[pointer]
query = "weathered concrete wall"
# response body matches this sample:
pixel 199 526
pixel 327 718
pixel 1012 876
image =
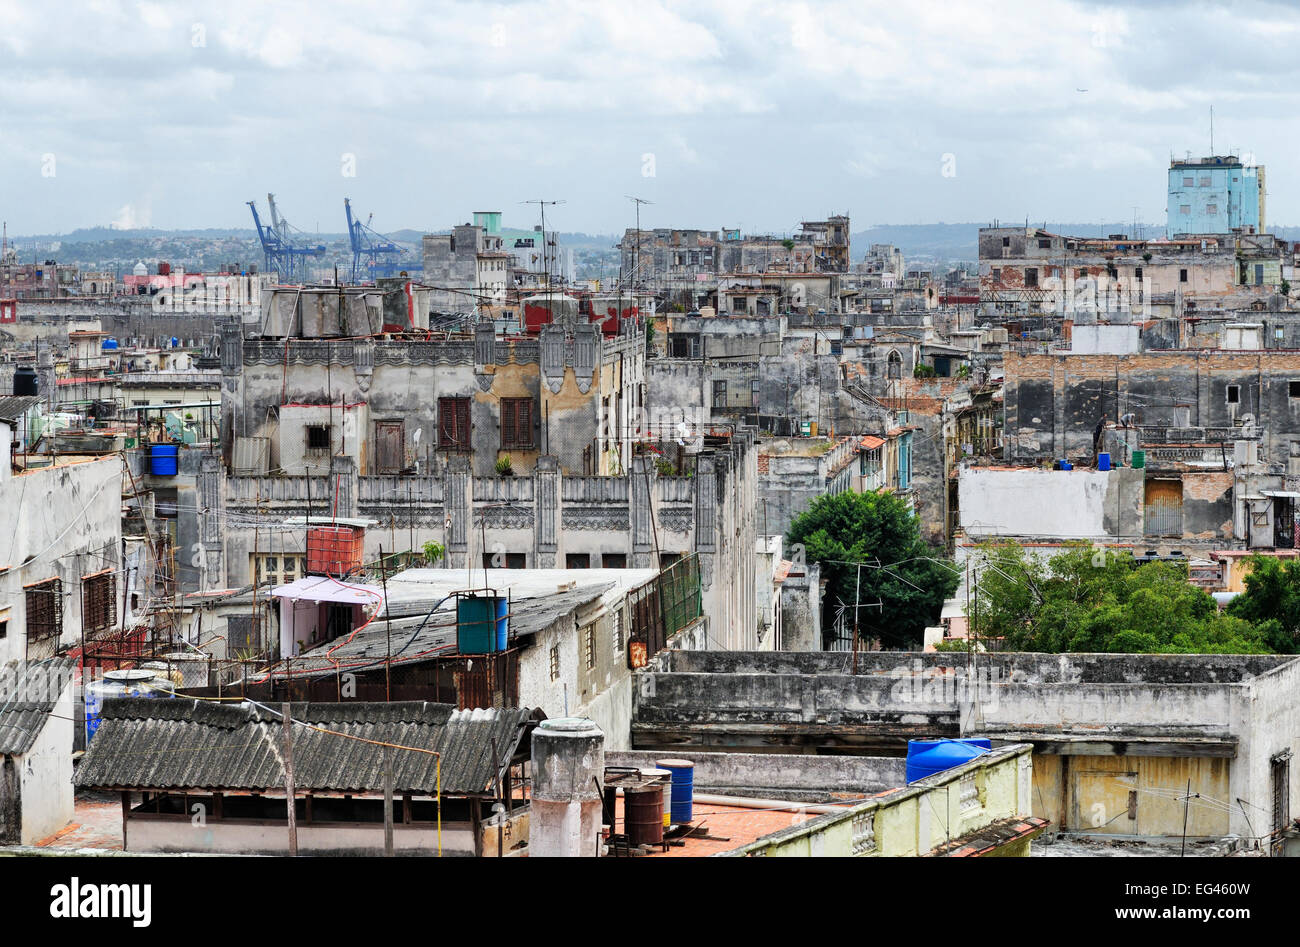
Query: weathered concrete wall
pixel 1273 705
pixel 801 611
pixel 1053 402
pixel 1114 733
pixel 1021 667
pixel 779 775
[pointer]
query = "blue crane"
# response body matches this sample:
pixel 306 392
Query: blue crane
pixel 382 256
pixel 285 256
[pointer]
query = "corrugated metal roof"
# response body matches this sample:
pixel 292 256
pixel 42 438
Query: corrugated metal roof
pixel 194 744
pixel 41 684
pixel 412 640
pixel 14 407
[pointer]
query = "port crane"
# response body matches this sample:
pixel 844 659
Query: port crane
pixel 286 254
pixel 382 256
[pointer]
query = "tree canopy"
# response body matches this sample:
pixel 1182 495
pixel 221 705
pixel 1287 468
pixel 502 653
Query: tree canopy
pixel 1272 601
pixel 899 571
pixel 1092 600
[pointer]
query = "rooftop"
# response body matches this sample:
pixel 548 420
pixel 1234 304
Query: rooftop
pixel 193 744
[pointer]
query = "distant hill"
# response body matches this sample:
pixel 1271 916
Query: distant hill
pixel 197 249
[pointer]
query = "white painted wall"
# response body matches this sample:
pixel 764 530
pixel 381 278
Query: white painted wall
pixel 1105 340
pixel 63 521
pixel 45 772
pixel 1069 504
pixel 180 835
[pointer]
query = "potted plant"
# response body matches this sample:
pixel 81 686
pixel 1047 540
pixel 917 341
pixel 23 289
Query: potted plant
pixel 504 466
pixel 433 552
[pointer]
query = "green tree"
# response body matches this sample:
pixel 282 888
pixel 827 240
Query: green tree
pixel 1091 600
pixel 898 572
pixel 1272 600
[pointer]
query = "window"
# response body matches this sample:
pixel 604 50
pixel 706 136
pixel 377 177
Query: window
pixel 755 393
pixel 895 365
pixel 1006 241
pixel 505 560
pixel 1182 276
pixel 1293 389
pixel 1081 273
pixel 1031 276
pixel 1137 272
pixel 318 437
pixel 681 345
pixel 1211 208
pixel 4 629
pixel 577 560
pixel 997 274
pixel 1185 209
pixel 1205 180
pixel 1234 394
pixel 98 601
pixel 589 646
pixel 453 423
pixel 616 631
pixel 719 394
pixel 516 422
pixel 555 662
pixel 1044 244
pixel 277 569
pixel 613 560
pixel 44 602
pixel 1189 181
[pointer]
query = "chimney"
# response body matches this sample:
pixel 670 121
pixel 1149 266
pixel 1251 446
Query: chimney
pixel 567 766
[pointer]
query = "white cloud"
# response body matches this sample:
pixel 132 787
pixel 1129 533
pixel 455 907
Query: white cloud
pixel 834 98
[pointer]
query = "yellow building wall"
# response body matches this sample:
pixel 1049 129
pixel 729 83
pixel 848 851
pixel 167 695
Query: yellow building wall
pixel 1091 794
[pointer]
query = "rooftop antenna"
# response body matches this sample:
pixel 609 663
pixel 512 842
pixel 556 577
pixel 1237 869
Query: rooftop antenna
pixel 546 265
pixel 1211 131
pixel 638 201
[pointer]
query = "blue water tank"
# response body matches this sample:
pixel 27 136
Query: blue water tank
pixel 683 795
pixel 109 345
pixel 482 624
pixel 1103 461
pixel 927 757
pixel 128 683
pixel 1066 465
pixel 164 460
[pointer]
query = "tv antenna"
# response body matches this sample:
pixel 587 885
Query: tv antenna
pixel 546 264
pixel 638 201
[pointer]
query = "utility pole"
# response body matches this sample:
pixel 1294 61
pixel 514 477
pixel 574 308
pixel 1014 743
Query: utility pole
pixel 388 631
pixel 289 790
pixel 388 800
pixel 857 591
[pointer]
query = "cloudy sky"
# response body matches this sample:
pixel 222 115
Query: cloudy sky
pixel 727 113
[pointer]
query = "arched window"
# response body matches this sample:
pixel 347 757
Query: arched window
pixel 895 364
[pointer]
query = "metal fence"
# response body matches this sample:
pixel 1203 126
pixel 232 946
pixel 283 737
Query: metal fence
pixel 662 607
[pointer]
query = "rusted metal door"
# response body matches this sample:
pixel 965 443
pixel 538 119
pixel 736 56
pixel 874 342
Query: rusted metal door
pixel 1164 508
pixel 390 446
